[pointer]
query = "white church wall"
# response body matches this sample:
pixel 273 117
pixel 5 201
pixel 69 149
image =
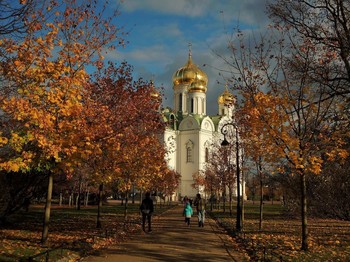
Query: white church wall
pixel 170 140
pixel 188 168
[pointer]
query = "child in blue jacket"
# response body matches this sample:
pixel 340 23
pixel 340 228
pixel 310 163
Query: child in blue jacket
pixel 188 212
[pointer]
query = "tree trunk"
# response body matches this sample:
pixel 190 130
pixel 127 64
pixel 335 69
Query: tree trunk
pixel 79 194
pixel 61 199
pixel 211 194
pixel 70 199
pixel 126 206
pixel 87 198
pixel 47 210
pixel 133 193
pixel 243 194
pixel 304 229
pixel 261 195
pixel 261 204
pixel 224 198
pixel 230 198
pixel 99 207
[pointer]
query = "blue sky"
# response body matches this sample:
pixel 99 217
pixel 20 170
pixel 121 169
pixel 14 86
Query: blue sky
pixel 161 30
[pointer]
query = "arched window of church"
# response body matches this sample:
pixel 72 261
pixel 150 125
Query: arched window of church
pixel 189 155
pixel 192 105
pixel 180 102
pixel 189 151
pixel 206 154
pixel 172 121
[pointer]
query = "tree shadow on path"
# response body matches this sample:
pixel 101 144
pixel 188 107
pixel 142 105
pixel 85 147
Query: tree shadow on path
pixel 172 240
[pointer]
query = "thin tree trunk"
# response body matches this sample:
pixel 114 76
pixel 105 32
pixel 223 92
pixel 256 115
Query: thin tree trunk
pixel 261 194
pixel 47 210
pixel 133 193
pixel 79 194
pixel 87 198
pixel 230 198
pixel 126 206
pixel 272 196
pixel 304 228
pixel 61 199
pixel 211 194
pixel 99 207
pixel 70 199
pixel 243 194
pixel 224 199
pixel 261 204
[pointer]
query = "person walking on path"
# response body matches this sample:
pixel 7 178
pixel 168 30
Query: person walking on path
pixel 147 209
pixel 188 212
pixel 185 201
pixel 172 241
pixel 200 205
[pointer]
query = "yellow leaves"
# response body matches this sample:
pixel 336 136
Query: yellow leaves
pixel 276 128
pixel 333 154
pixel 17 141
pixel 3 140
pixel 40 41
pixel 315 164
pixel 343 154
pixel 17 63
pixel 15 165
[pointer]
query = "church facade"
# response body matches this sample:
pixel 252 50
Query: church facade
pixel 190 132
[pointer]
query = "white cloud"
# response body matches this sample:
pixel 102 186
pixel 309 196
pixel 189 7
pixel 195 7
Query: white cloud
pixel 154 54
pixel 247 11
pixel 159 43
pixel 179 7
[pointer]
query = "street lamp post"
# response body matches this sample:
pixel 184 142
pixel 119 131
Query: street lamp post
pixel 224 131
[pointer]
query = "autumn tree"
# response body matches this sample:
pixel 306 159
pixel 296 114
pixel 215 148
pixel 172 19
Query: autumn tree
pixel 46 72
pixel 218 176
pixel 128 125
pixel 168 182
pixel 325 25
pixel 288 113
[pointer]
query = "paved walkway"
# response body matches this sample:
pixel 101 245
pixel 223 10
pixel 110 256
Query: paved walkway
pixel 172 240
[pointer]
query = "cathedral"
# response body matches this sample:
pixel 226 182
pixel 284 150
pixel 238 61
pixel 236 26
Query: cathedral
pixel 190 132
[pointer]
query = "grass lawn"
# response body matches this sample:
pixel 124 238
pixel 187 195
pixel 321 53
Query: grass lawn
pixel 72 232
pixel 280 237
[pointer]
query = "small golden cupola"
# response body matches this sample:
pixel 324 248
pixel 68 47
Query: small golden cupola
pixel 191 75
pixel 155 94
pixel 226 98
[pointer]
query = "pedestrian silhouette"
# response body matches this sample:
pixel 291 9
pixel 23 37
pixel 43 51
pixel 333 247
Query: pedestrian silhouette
pixel 199 203
pixel 147 209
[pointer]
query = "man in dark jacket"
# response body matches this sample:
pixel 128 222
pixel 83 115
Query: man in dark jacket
pixel 200 205
pixel 147 209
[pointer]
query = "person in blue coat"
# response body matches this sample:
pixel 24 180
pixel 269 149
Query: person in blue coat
pixel 188 212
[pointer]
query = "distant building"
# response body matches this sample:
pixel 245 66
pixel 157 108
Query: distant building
pixel 190 132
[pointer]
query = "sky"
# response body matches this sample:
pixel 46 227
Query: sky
pixel 160 32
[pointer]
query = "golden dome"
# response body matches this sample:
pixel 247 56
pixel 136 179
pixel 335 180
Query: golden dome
pixel 226 98
pixel 198 86
pixel 190 73
pixel 155 94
